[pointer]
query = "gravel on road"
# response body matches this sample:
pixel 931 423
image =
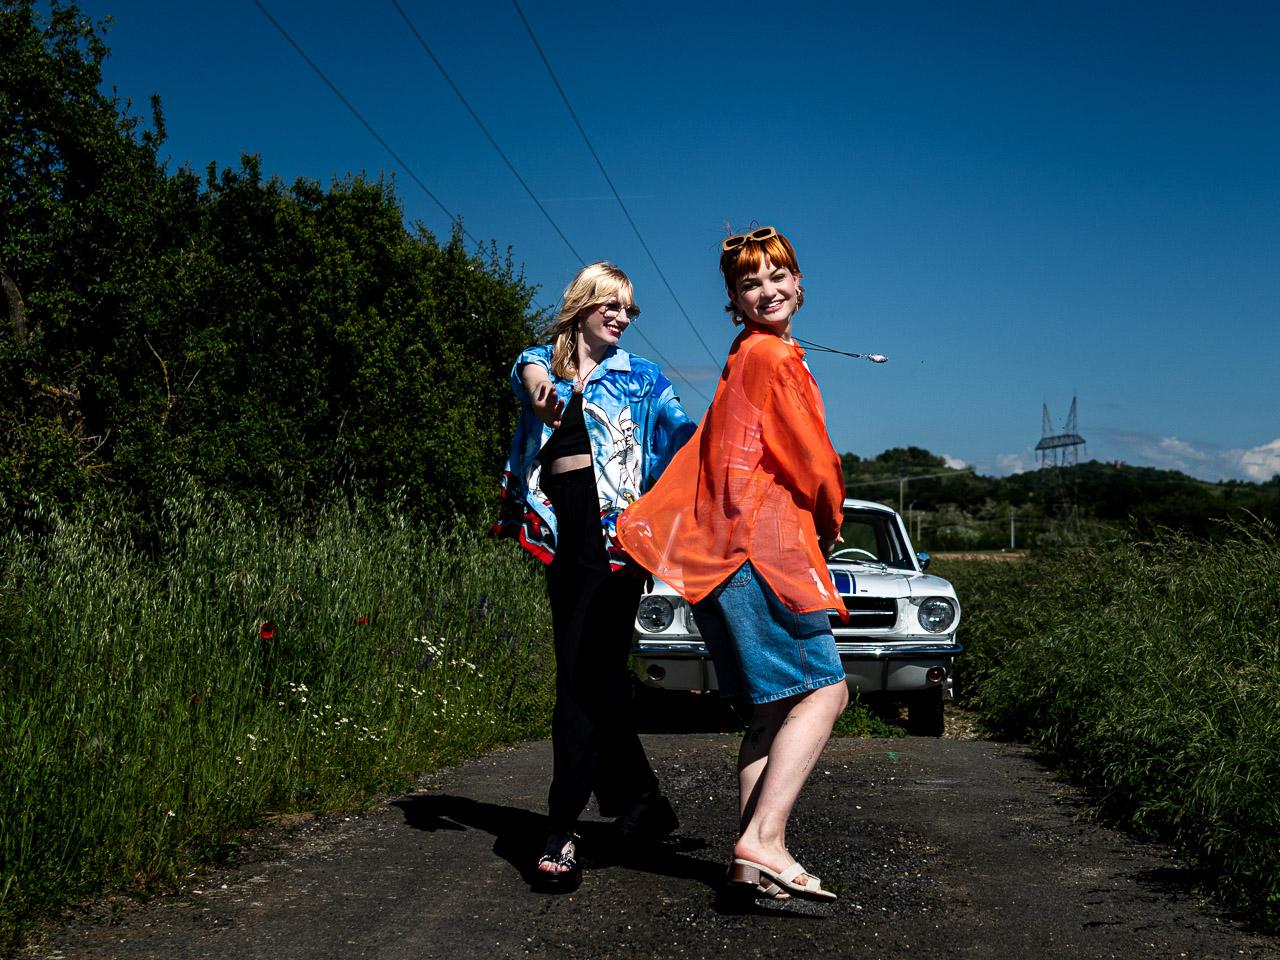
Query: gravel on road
pixel 938 848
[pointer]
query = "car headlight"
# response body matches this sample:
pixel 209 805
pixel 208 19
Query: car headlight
pixel 936 614
pixel 656 614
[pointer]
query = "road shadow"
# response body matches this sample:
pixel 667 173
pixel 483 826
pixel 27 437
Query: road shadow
pixel 518 836
pixel 665 711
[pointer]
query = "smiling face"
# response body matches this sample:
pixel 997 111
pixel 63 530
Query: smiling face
pixel 602 325
pixel 768 296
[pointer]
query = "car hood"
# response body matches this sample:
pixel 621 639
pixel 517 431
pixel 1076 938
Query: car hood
pixel 871 581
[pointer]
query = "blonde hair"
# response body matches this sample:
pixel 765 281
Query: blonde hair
pixel 595 284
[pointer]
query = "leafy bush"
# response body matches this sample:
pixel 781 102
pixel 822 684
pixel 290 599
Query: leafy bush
pixel 1150 670
pixel 276 342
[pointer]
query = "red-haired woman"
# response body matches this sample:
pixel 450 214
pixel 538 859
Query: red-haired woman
pixel 740 525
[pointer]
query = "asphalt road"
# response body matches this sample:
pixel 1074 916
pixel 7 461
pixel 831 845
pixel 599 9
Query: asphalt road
pixel 940 848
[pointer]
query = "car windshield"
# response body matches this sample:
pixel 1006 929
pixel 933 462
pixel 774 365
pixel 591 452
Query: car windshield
pixel 872 534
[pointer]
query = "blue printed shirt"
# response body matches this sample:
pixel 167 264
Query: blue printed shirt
pixel 635 424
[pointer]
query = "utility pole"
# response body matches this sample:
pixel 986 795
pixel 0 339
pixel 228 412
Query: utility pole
pixel 1013 542
pixel 902 482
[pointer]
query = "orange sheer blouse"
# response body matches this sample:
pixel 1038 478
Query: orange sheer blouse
pixel 759 481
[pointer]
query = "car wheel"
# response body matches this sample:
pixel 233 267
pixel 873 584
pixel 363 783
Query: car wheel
pixel 924 713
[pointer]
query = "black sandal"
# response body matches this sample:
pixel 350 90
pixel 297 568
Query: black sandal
pixel 562 854
pixel 649 819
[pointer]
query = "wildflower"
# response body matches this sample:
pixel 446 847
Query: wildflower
pixel 195 698
pixel 426 661
pixel 267 631
pixel 362 621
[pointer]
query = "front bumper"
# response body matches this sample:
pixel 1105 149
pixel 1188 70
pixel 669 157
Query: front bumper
pixel 870 666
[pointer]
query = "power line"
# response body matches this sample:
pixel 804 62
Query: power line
pixel 527 189
pixel 356 113
pixel 605 173
pixel 904 480
pixel 418 180
pixel 485 130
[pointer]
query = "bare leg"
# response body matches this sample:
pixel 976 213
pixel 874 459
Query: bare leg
pixel 753 755
pixel 778 753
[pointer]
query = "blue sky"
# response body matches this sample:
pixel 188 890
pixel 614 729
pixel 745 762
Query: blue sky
pixel 1017 203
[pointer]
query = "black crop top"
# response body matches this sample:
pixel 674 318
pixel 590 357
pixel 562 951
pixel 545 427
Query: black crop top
pixel 570 438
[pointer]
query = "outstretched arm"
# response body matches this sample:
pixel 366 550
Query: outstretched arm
pixel 547 406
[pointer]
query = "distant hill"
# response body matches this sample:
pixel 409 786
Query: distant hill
pixel 955 508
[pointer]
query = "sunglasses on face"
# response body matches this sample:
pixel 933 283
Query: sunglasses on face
pixel 611 308
pixel 734 242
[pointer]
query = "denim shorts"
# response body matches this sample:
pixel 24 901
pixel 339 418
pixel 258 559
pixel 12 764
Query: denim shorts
pixel 759 647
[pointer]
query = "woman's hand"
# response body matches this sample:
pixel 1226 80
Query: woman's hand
pixel 542 394
pixel 829 545
pixel 546 405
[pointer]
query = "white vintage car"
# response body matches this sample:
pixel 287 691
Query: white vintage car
pixel 898 646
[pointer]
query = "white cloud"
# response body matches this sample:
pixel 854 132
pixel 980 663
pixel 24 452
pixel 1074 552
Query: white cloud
pixel 1260 463
pixel 1007 463
pixel 1169 453
pixel 1205 461
pixel 1180 448
pixel 954 463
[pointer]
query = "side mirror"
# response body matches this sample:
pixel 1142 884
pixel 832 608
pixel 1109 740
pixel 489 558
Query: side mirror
pixel 923 558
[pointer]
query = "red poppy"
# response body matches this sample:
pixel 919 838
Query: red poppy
pixel 362 620
pixel 267 630
pixel 195 698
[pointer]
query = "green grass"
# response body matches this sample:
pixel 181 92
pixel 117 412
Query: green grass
pixel 861 720
pixel 152 709
pixel 1149 670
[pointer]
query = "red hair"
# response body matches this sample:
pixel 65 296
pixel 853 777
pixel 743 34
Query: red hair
pixel 747 259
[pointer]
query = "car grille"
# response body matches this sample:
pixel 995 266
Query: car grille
pixel 868 613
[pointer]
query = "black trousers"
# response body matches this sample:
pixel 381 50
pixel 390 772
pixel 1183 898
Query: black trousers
pixel 593 737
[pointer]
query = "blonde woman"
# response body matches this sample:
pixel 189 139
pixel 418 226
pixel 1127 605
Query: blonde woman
pixel 597 427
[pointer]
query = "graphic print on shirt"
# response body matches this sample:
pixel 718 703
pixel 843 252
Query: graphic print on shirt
pixel 621 468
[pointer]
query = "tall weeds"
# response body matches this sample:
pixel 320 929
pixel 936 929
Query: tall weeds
pixel 150 709
pixel 1149 670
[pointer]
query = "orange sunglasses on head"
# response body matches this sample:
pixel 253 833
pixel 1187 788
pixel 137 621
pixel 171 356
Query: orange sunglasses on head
pixel 734 242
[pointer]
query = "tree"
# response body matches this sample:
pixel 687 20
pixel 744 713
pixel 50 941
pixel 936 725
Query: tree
pixel 331 347
pixel 278 343
pixel 81 203
pixel 905 460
